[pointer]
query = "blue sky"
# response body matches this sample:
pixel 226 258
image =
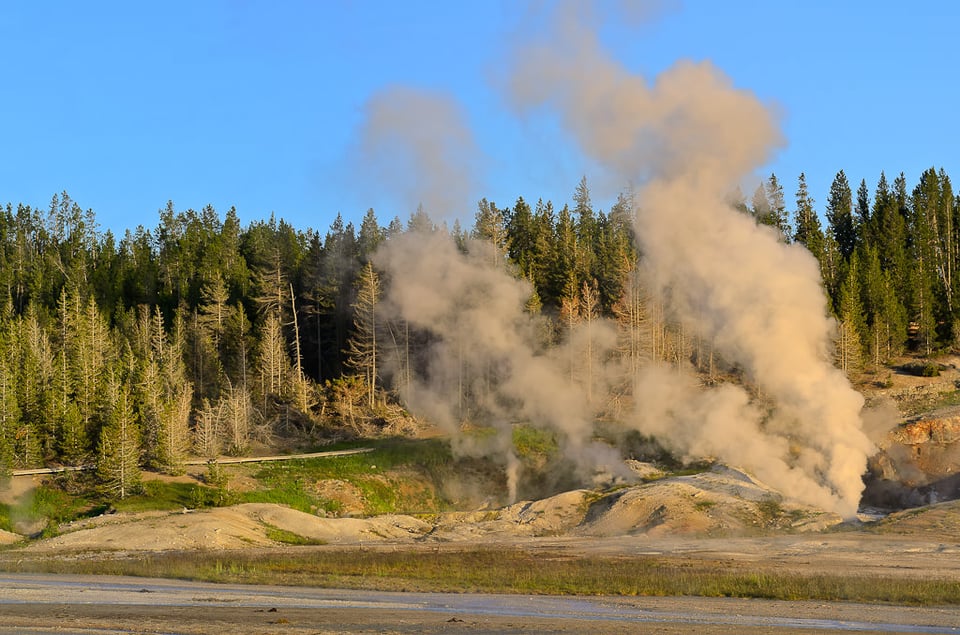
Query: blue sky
pixel 258 105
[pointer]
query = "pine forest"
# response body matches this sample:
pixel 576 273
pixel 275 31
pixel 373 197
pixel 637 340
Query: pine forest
pixel 201 337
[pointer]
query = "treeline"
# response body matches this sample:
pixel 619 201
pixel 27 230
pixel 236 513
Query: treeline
pixel 201 336
pixel 887 258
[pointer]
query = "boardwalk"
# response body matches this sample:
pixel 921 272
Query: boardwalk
pixel 223 460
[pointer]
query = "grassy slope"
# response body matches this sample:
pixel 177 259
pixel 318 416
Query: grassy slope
pixel 399 476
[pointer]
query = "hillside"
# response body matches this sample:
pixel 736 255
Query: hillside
pixel 416 491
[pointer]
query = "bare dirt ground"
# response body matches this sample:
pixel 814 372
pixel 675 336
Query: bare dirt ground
pixel 924 543
pixel 42 604
pixel 915 544
pixel 723 518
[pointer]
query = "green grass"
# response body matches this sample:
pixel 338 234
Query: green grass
pixel 505 571
pixel 530 442
pixel 292 483
pixel 288 537
pixel 51 503
pixel 60 500
pixel 930 402
pixel 159 496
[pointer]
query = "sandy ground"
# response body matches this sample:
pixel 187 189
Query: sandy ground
pixel 678 616
pixel 84 604
pixel 117 620
pixel 924 544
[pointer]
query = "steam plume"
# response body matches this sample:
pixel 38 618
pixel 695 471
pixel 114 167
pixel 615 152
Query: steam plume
pixel 688 137
pixel 482 363
pixel 417 144
pixel 691 136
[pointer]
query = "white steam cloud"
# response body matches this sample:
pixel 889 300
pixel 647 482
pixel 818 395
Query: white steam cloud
pixel 481 362
pixel 416 143
pixel 693 136
pixel 758 301
pixel 688 137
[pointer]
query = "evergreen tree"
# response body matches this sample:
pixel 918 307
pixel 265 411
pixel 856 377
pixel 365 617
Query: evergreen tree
pixel 769 206
pixel 933 201
pixel 563 275
pixel 889 232
pixel 420 222
pixel 34 365
pixel 395 228
pixel 614 258
pixel 931 270
pixel 840 216
pixel 831 270
pixel 901 201
pixel 370 237
pixel 885 316
pixel 10 421
pixel 851 323
pixel 543 254
pixel 331 280
pixel 214 312
pixel 163 396
pixel 808 232
pixel 520 237
pixel 490 225
pixel 760 206
pixel 587 233
pixel 737 200
pixel 861 215
pixel 118 450
pixel 363 348
pixel 89 352
pixel 778 207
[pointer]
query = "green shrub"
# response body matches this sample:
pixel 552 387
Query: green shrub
pixel 770 510
pixel 529 441
pixel 930 370
pixel 921 369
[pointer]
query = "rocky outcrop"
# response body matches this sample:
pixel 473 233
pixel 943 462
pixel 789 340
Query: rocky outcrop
pixel 917 463
pixel 918 391
pixel 936 430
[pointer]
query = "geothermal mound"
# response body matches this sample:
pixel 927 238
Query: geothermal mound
pixel 719 502
pixel 722 501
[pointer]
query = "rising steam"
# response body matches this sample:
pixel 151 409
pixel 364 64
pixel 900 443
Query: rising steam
pixel 482 363
pixel 694 137
pixel 415 143
pixel 688 137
